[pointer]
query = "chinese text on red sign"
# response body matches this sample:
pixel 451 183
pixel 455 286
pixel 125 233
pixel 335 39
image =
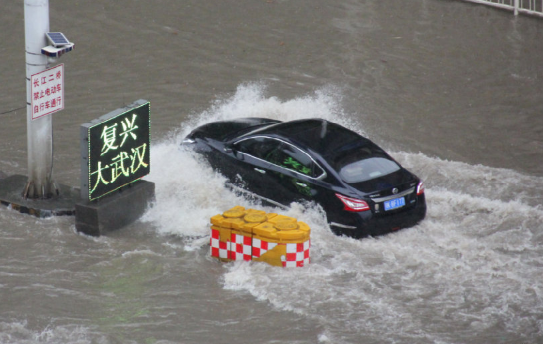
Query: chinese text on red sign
pixel 47 91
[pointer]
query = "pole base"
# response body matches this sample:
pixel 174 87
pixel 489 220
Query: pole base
pixel 59 204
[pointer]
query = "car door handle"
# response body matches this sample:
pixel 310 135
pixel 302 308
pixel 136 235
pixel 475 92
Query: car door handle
pixel 304 185
pixel 260 170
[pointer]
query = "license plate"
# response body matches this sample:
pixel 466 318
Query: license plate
pixel 394 203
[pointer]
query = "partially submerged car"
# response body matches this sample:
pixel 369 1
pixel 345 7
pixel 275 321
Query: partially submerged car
pixel 362 189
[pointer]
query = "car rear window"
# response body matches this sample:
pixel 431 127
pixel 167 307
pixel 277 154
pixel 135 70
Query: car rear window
pixel 367 169
pixel 363 164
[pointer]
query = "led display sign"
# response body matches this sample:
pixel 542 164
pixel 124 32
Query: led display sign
pixel 117 150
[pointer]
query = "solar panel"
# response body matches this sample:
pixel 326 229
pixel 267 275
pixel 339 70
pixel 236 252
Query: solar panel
pixel 57 39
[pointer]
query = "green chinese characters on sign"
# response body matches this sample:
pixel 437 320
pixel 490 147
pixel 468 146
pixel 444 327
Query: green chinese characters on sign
pixel 119 151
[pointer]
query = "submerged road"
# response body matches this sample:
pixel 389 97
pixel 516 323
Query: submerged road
pixel 451 89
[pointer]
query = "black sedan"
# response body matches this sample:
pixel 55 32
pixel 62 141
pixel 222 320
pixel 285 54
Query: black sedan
pixel 363 190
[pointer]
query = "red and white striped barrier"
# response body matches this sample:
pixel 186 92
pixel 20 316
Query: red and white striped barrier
pixel 253 235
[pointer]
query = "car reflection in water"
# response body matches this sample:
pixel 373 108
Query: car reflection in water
pixel 363 190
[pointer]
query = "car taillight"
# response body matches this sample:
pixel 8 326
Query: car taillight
pixel 353 204
pixel 420 188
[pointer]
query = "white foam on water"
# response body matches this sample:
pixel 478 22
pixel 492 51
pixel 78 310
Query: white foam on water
pixel 478 180
pixel 476 274
pixel 18 332
pixel 473 266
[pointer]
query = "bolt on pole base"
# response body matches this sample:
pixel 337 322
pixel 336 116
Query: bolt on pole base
pixel 43 191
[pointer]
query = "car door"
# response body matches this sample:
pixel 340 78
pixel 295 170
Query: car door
pixel 279 171
pixel 254 169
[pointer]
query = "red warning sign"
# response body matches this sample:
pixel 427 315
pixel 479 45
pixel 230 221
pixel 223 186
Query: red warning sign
pixel 47 91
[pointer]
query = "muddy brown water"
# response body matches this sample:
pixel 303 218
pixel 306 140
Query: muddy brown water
pixel 451 89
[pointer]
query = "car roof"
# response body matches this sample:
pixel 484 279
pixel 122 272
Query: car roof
pixel 319 135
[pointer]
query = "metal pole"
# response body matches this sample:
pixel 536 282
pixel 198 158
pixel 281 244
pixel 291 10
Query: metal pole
pixel 516 7
pixel 39 131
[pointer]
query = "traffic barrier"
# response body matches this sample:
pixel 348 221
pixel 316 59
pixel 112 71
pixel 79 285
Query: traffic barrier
pixel 517 6
pixel 254 235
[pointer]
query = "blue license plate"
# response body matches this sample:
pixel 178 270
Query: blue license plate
pixel 394 203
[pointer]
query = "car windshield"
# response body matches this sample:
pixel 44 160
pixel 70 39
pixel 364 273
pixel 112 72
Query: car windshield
pixel 363 164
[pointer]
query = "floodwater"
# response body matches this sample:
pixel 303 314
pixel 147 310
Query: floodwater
pixel 451 89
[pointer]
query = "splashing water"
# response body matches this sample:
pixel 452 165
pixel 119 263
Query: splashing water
pixel 469 273
pixel 193 192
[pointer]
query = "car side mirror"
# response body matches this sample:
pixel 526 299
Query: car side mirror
pixel 239 155
pixel 229 149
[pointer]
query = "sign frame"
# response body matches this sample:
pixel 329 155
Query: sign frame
pixel 115 150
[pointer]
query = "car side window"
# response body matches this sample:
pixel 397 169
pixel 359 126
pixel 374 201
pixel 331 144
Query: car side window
pixel 291 158
pixel 259 147
pixel 281 154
